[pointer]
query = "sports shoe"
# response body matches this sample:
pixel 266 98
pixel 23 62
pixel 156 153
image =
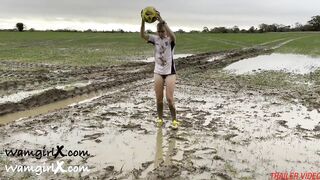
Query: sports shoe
pixel 159 122
pixel 175 124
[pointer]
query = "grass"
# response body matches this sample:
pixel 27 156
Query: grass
pixel 271 79
pixel 263 80
pixel 117 48
pixel 308 46
pixel 74 48
pixel 70 48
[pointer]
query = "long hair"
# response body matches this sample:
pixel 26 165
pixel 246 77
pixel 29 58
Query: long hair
pixel 160 25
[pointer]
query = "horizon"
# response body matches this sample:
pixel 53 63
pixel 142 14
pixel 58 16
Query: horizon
pixel 107 15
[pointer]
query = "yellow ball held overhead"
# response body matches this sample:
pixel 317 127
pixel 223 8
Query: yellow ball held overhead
pixel 149 14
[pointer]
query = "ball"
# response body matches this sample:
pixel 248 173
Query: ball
pixel 149 14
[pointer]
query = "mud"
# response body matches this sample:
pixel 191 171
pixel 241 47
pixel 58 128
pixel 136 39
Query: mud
pixel 228 130
pixel 100 78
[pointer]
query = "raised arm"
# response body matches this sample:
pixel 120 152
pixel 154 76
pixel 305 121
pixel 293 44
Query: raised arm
pixel 142 31
pixel 169 31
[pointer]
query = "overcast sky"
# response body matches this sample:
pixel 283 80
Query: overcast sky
pixel 179 14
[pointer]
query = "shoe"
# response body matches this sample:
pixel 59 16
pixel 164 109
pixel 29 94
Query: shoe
pixel 159 122
pixel 175 124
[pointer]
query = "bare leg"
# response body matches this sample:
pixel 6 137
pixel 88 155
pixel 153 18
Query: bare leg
pixel 170 85
pixel 158 88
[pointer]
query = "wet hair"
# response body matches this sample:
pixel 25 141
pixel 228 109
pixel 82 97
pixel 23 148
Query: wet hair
pixel 160 25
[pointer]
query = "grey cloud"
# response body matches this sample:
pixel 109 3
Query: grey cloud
pixel 180 12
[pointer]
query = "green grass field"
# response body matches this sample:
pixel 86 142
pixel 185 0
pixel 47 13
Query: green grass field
pixel 115 48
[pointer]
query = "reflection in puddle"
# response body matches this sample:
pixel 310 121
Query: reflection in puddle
pixel 159 149
pixel 166 151
pixel 300 64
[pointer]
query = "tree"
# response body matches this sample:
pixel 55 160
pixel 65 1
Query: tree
pixel 315 23
pixel 20 26
pixel 298 26
pixel 88 30
pixel 120 30
pixel 243 31
pixel 263 27
pixel 235 29
pixel 194 31
pixel 273 28
pixel 205 29
pixel 251 29
pixel 219 30
pixel 307 27
pixel 283 28
pixel 180 31
pixel 149 31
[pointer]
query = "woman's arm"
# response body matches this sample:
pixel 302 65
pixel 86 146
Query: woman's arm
pixel 142 31
pixel 169 31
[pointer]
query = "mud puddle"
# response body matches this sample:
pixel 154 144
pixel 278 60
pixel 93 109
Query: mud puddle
pixel 44 109
pixel 17 97
pixel 223 135
pixel 97 78
pixel 20 96
pixel 215 58
pixel 299 64
pixel 88 79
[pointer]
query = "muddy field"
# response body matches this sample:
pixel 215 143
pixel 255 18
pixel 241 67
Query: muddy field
pixel 230 130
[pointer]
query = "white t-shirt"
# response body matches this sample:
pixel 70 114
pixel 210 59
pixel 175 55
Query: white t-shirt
pixel 163 55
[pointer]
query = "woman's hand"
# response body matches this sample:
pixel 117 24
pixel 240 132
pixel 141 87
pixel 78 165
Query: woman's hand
pixel 159 18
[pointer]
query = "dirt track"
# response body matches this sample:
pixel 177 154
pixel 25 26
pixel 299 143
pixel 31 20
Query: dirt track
pixel 227 132
pixel 36 76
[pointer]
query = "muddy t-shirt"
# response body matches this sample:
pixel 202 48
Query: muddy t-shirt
pixel 163 55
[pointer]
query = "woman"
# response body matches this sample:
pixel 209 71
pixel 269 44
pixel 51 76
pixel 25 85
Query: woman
pixel 164 71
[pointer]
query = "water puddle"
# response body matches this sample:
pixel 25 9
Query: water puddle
pixel 17 97
pixel 71 86
pixel 175 56
pixel 215 58
pixel 20 95
pixel 85 98
pixel 294 63
pixel 222 135
pixel 46 108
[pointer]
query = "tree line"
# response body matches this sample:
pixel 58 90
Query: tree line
pixel 311 25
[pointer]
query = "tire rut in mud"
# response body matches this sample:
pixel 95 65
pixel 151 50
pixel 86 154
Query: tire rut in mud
pixel 101 77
